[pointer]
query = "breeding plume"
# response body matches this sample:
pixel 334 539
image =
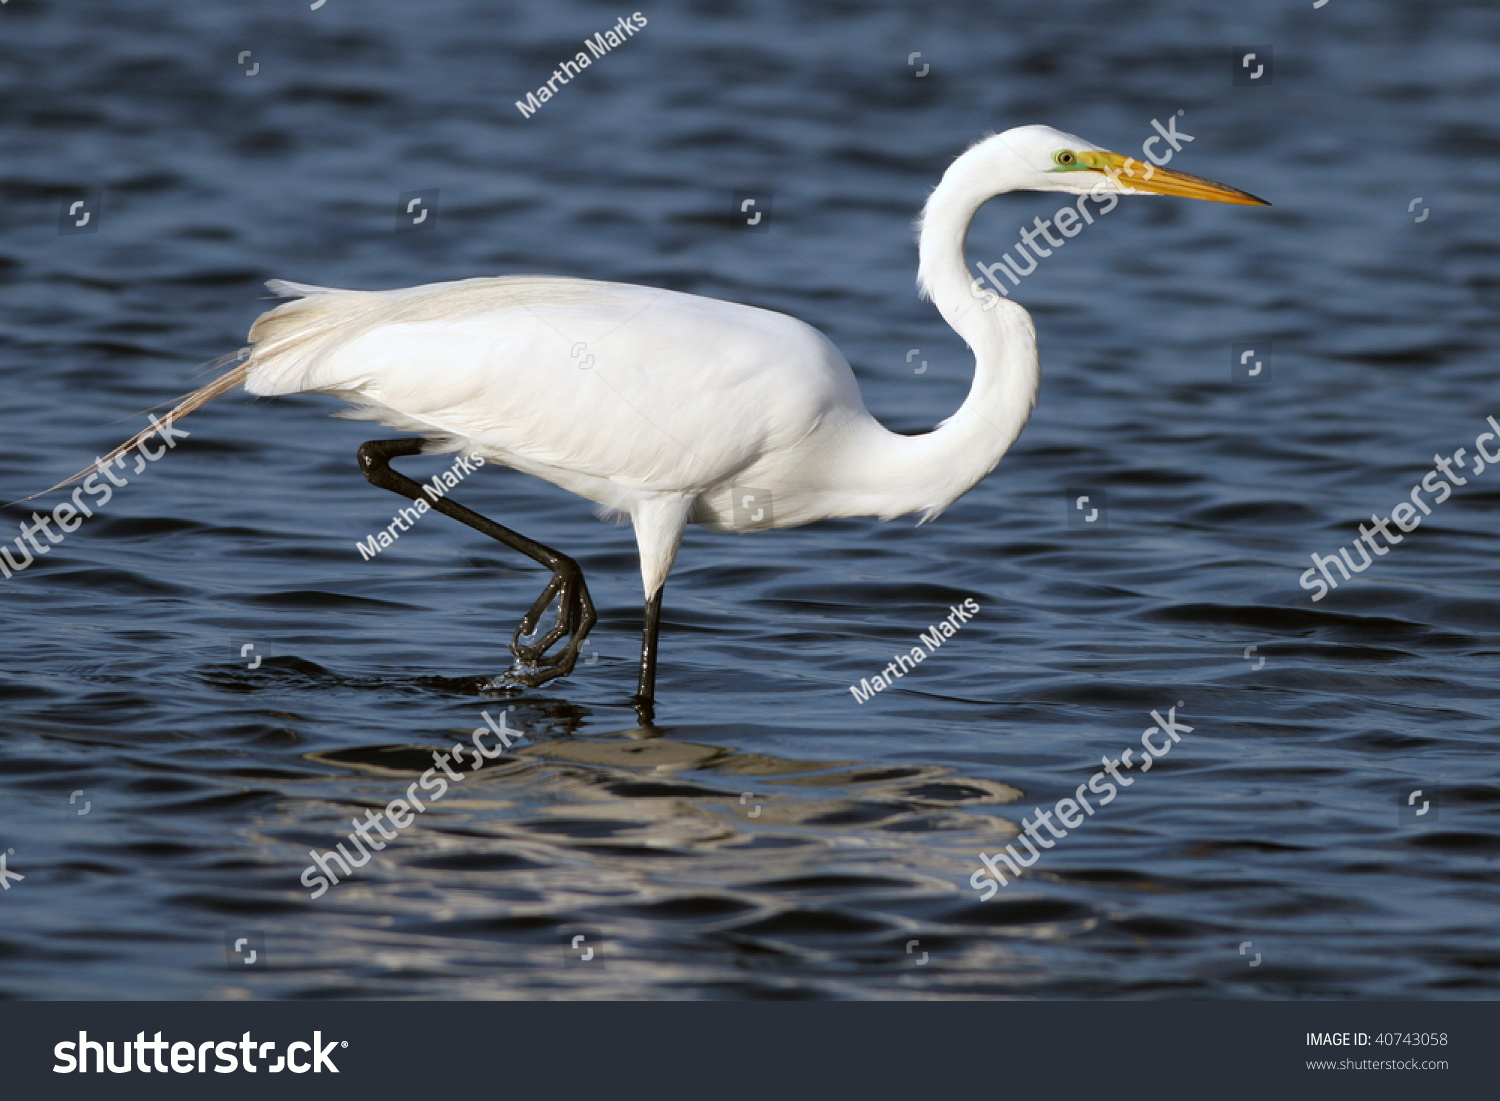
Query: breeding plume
pixel 671 408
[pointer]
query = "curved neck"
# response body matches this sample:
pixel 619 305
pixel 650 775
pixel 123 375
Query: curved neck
pixel 931 471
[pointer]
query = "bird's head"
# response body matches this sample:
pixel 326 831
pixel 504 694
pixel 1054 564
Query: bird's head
pixel 1039 158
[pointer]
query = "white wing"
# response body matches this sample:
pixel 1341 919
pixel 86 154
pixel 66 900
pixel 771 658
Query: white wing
pixel 610 389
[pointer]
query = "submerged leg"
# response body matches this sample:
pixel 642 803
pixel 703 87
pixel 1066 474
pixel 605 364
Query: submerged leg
pixel 646 692
pixel 575 611
pixel 659 522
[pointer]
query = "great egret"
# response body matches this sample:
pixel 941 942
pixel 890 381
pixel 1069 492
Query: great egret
pixel 658 405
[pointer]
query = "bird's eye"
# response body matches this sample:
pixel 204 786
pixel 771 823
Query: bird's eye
pixel 1065 157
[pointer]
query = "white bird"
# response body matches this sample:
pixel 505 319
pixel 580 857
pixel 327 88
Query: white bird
pixel 665 406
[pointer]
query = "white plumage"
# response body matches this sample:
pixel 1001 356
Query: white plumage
pixel 657 404
pixel 644 401
pixel 648 402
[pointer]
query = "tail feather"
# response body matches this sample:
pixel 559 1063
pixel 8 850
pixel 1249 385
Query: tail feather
pixel 235 376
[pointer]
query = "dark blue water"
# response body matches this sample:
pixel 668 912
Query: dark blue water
pixel 770 837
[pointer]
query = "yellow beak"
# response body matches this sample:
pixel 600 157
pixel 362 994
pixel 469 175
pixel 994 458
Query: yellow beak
pixel 1134 175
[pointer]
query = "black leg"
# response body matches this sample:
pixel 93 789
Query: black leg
pixel 646 693
pixel 575 611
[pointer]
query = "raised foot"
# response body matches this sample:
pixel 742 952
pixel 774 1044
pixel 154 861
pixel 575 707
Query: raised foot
pixel 575 618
